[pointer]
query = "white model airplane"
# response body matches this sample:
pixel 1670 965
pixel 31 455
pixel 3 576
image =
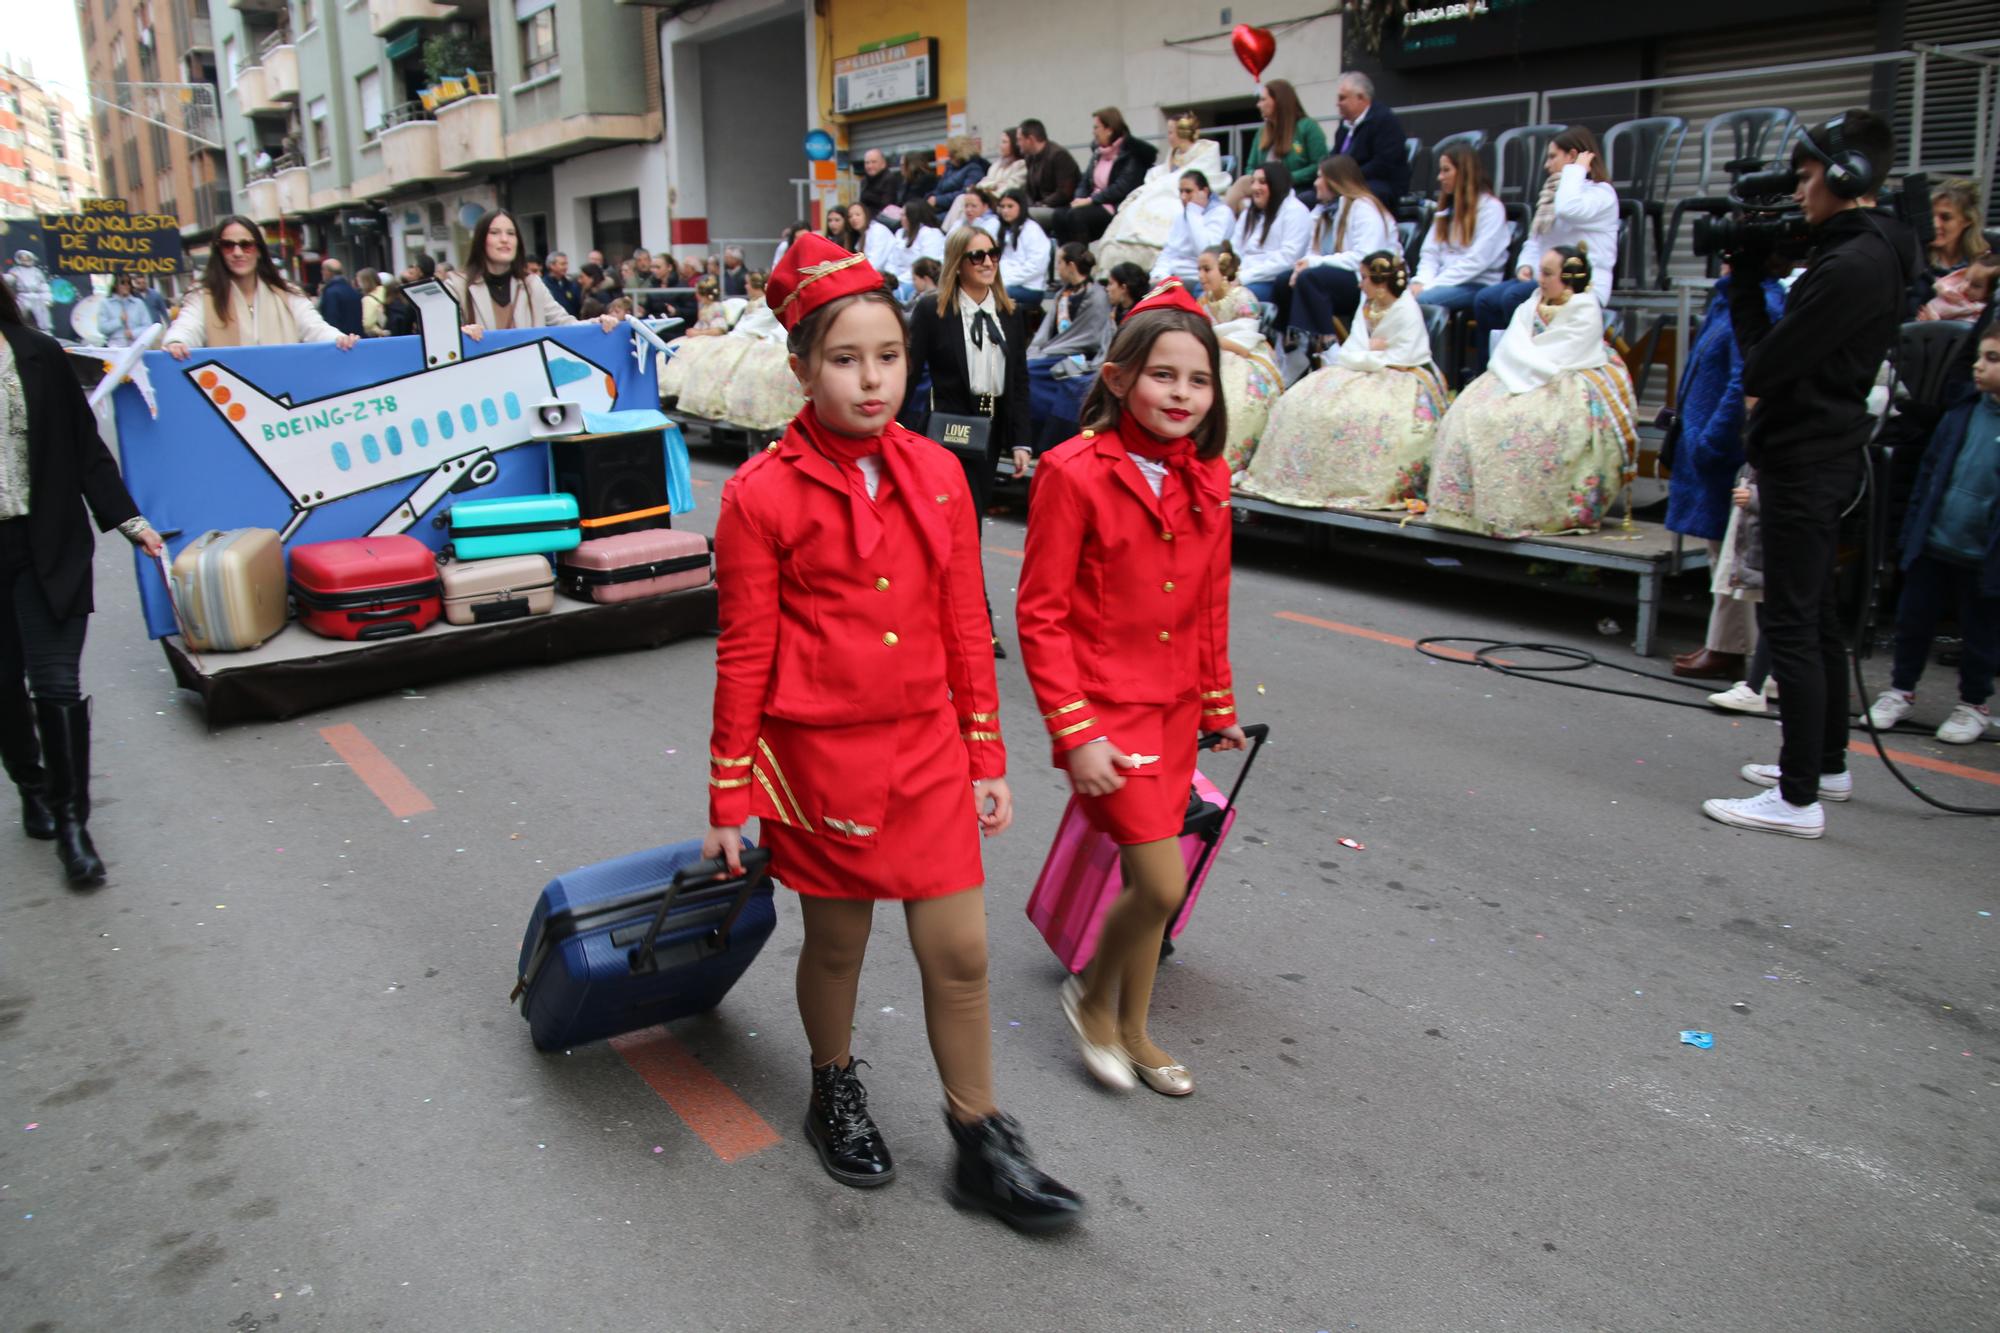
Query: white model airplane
pixel 122 364
pixel 441 425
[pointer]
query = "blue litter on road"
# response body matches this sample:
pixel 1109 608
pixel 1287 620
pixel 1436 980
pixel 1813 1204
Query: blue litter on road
pixel 1702 1039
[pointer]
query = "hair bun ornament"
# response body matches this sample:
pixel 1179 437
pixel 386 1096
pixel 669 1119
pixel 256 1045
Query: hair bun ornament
pixel 1576 271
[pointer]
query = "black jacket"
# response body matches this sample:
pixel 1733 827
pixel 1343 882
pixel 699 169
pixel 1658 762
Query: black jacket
pixel 1933 479
pixel 1811 371
pixel 1383 151
pixel 878 192
pixel 1128 171
pixel 68 467
pixel 937 344
pixel 1052 177
pixel 340 305
pixel 567 291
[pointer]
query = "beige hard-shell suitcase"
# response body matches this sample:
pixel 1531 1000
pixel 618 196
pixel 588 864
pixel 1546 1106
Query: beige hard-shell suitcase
pixel 508 587
pixel 229 589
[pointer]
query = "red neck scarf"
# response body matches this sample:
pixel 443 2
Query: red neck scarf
pixel 1195 478
pixel 845 453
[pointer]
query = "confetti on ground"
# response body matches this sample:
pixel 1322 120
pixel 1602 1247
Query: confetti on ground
pixel 658 1148
pixel 1702 1040
pixel 1351 843
pixel 36 1125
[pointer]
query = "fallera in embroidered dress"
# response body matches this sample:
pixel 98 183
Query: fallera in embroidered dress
pixel 1541 443
pixel 1357 434
pixel 1140 228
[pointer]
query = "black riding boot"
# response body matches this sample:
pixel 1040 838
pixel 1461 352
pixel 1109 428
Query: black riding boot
pixel 995 1173
pixel 66 743
pixel 22 754
pixel 849 1146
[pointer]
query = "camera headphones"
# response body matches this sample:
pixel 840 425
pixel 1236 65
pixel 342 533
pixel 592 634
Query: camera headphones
pixel 1849 173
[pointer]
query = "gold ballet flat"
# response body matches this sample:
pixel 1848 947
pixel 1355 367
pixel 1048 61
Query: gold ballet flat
pixel 1167 1080
pixel 1108 1063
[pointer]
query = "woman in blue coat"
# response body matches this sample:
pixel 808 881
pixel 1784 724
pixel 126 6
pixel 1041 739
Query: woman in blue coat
pixel 1704 450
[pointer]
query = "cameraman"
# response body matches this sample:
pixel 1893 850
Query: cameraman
pixel 1807 378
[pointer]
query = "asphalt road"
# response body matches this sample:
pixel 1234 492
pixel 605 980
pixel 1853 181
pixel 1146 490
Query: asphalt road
pixel 267 1078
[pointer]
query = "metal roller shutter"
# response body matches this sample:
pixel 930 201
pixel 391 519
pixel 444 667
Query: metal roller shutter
pixel 1951 87
pixel 1812 96
pixel 919 131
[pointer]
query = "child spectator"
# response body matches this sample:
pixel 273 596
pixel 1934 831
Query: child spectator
pixel 924 276
pixel 1951 555
pixel 1964 293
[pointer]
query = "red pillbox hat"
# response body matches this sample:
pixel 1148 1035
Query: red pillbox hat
pixel 813 272
pixel 1171 294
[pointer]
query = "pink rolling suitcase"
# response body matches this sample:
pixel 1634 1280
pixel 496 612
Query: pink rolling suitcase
pixel 631 565
pixel 1081 876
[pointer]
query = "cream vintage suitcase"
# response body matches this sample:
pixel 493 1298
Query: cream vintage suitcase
pixel 229 589
pixel 508 587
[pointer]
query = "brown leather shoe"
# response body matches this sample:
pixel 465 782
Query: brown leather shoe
pixel 1707 665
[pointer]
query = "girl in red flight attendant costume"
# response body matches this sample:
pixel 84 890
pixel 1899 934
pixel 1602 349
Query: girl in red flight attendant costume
pixel 857 716
pixel 1124 620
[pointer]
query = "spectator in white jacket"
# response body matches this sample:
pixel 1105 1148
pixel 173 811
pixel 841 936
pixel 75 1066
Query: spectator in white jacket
pixel 919 238
pixel 1348 225
pixel 1272 232
pixel 1578 206
pixel 1204 220
pixel 1025 250
pixel 244 301
pixel 873 237
pixel 1466 248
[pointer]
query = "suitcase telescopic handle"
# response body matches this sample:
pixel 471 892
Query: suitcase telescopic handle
pixel 1257 733
pixel 701 874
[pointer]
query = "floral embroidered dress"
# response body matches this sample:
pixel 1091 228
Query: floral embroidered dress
pixel 1542 442
pixel 1138 232
pixel 1358 434
pixel 743 378
pixel 1251 381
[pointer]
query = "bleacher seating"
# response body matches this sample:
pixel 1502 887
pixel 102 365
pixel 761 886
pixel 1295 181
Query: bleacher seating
pixel 1757 135
pixel 1641 157
pixel 1517 161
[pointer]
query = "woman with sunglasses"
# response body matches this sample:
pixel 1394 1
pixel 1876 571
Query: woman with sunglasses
pixel 974 345
pixel 244 301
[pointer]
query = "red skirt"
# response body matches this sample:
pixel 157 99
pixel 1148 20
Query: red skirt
pixel 852 830
pixel 1153 803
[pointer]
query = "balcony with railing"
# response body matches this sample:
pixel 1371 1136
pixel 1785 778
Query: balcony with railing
pixel 409 139
pixel 386 16
pixel 212 203
pixel 260 199
pixel 469 129
pixel 253 93
pixel 294 188
pixel 280 59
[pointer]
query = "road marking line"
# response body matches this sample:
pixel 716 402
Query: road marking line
pixel 377 770
pixel 1944 766
pixel 723 1120
pixel 1926 762
pixel 1361 632
pixel 1008 550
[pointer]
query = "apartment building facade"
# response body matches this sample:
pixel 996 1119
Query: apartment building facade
pixel 48 155
pixel 376 130
pixel 152 81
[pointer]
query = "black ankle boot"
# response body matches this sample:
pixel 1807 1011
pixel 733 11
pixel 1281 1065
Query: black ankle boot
pixel 21 752
pixel 849 1146
pixel 66 743
pixel 995 1173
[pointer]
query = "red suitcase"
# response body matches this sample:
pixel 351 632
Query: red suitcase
pixel 366 587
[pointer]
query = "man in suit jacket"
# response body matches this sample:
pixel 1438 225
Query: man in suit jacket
pixel 339 302
pixel 1373 137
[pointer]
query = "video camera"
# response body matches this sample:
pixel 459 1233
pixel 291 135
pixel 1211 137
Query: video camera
pixel 1761 217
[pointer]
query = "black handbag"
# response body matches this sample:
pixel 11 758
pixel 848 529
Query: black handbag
pixel 967 436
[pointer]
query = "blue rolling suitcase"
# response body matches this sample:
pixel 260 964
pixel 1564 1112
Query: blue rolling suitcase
pixel 514 525
pixel 641 940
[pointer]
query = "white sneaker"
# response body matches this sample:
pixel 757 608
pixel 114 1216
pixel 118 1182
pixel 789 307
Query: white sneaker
pixel 1891 708
pixel 1832 786
pixel 1768 812
pixel 1740 698
pixel 1967 723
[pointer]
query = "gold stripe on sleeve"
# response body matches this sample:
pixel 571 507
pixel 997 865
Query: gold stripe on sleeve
pixel 1066 708
pixel 1071 731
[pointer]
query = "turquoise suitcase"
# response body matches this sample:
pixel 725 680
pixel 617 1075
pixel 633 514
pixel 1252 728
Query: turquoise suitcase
pixel 515 525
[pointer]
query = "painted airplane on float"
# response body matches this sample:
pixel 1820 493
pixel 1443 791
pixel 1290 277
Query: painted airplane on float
pixel 442 426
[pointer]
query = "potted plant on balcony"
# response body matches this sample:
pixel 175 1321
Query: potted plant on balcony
pixel 451 63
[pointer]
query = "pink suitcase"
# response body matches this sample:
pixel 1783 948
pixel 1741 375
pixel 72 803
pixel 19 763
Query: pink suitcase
pixel 1081 876
pixel 632 565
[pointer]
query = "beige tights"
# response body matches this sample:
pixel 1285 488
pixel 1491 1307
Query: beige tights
pixel 1128 949
pixel 948 936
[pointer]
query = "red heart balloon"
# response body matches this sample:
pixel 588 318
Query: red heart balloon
pixel 1254 47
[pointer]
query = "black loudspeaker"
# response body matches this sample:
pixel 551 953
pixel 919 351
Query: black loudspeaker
pixel 619 481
